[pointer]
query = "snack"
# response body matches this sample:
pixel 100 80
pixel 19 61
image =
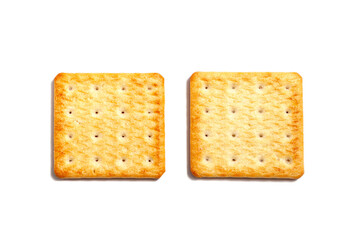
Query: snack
pixel 109 125
pixel 246 125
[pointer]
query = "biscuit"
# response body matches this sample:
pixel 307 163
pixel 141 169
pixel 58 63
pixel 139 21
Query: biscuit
pixel 109 125
pixel 246 125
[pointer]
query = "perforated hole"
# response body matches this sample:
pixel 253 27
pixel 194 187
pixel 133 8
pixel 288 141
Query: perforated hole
pixel 261 110
pixel 206 110
pixel 70 112
pixel 123 88
pixel 261 160
pixel 70 88
pixel 261 135
pixel 149 160
pixel 123 160
pixel 233 110
pixel 96 112
pixel 70 160
pixel 207 159
pixel 287 87
pixel 288 135
pixel 288 160
pixel 206 86
pixel 206 135
pixel 233 159
pixel 97 88
pixel 233 135
pixel 70 135
pixel 123 135
pixel 149 135
pixel 287 111
pixel 149 88
pixel 97 159
pixel 96 135
pixel 261 86
pixel 149 112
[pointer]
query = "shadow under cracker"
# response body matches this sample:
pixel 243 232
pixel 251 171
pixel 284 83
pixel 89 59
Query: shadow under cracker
pixel 192 177
pixel 52 173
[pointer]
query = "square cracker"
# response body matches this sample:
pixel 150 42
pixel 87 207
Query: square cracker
pixel 246 125
pixel 109 125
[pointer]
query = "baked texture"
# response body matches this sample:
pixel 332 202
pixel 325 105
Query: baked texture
pixel 109 125
pixel 246 125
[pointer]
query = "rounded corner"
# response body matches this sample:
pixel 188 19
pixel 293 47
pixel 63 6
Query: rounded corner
pixel 194 173
pixel 58 174
pixel 158 76
pixel 194 76
pixel 301 173
pixel 161 173
pixel 297 75
pixel 59 77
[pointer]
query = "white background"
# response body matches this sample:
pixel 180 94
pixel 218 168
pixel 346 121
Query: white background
pixel 318 39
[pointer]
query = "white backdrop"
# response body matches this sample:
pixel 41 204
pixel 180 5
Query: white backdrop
pixel 318 39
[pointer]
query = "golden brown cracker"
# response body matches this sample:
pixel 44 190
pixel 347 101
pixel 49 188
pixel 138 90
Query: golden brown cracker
pixel 246 125
pixel 109 125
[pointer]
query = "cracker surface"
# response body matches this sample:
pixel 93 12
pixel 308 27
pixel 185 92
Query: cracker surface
pixel 109 125
pixel 246 125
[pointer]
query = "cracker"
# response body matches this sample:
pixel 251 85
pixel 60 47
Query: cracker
pixel 109 125
pixel 246 125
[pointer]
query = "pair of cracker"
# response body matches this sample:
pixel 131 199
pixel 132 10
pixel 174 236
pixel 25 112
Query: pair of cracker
pixel 109 125
pixel 242 125
pixel 246 125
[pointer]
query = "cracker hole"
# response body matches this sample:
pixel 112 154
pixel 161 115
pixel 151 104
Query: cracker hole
pixel 261 110
pixel 70 112
pixel 207 159
pixel 261 160
pixel 206 135
pixel 261 135
pixel 233 159
pixel 233 110
pixel 287 111
pixel 123 135
pixel 97 159
pixel 233 135
pixel 96 135
pixel 288 160
pixel 288 135
pixel 149 112
pixel 206 110
pixel 70 88
pixel 96 88
pixel 260 86
pixel 150 136
pixel 287 87
pixel 123 160
pixel 122 112
pixel 70 136
pixel 149 88
pixel 70 160
pixel 149 160
pixel 96 112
